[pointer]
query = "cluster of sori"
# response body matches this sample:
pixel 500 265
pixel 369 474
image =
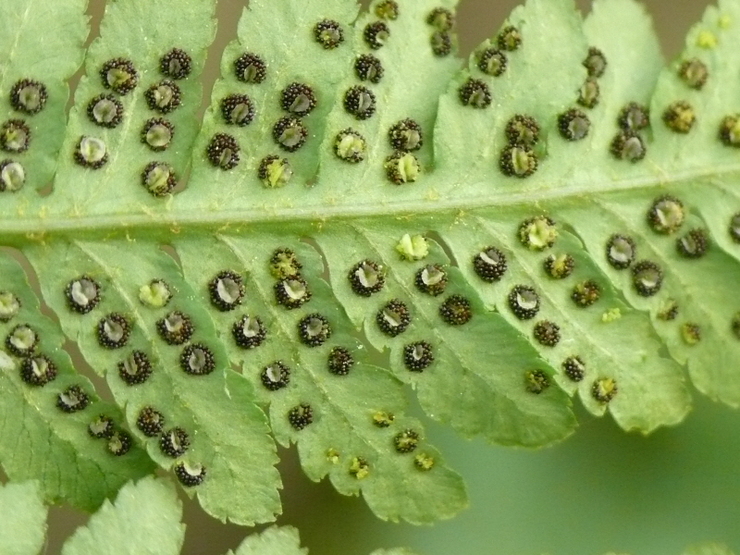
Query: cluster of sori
pixel 538 234
pixel 37 370
pixel 27 97
pixel 119 77
pixel 114 331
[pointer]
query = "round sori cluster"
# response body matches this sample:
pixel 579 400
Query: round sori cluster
pixel 113 331
pixel 691 333
pixel 22 341
pixel 621 251
pixel 135 369
pixel 509 38
pixel 456 310
pixel 492 61
pixel 524 302
pixel 119 443
pixel 383 419
pixel 38 370
pixel 360 102
pixel 393 318
pixel 387 9
pixel 174 442
pixel 314 330
pixel 547 333
pixel 668 310
pixel 328 33
pixel 595 62
pixel 604 389
pixel 694 244
pixel 10 306
pixel 105 110
pixel 102 427
pixel 589 93
pixel 573 125
pixel 91 152
pixel 150 421
pixel 163 97
pixel 538 233
pixel 366 277
pixel 729 131
pixel 175 328
pixel 633 117
pixel 350 146
pixel 274 171
pixel 73 399
pixel 197 360
pixel 406 135
pixel 679 117
pixel 157 134
pixel 431 279
pixel 402 167
pixel 237 109
pixel 249 332
pixel 586 293
pixel 190 475
pixel 284 263
pixel 559 266
pixel 298 99
pixel 666 215
pixel 376 34
pixel 250 68
pixel 340 361
pixel 628 145
pixel 441 42
pixel 275 375
pixel 292 292
pixel 574 368
pixel 176 64
pixel 368 68
pixel 119 75
pixel 418 356
pixel 28 96
pixel 490 264
pixel 12 176
pixel 300 416
pixel 159 179
pixel 226 290
pixel 289 133
pixel 647 278
pixel 223 151
pixel 693 73
pixel 156 294
pixel 475 93
pixel 15 136
pixel 536 381
pixel 406 441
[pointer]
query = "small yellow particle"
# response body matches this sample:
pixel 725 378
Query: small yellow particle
pixel 412 248
pixel 359 468
pixel 332 455
pixel 706 39
pixel 611 315
pixel 725 21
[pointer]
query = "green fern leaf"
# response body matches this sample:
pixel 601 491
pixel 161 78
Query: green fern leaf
pixel 23 526
pixel 239 286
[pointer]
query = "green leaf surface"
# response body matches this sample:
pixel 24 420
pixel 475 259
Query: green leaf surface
pixel 494 370
pixel 274 540
pixel 145 518
pixel 41 42
pixel 39 441
pixel 23 526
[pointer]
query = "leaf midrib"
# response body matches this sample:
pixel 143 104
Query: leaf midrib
pixel 43 227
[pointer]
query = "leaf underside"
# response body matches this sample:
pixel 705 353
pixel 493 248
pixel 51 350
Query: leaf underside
pixel 616 332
